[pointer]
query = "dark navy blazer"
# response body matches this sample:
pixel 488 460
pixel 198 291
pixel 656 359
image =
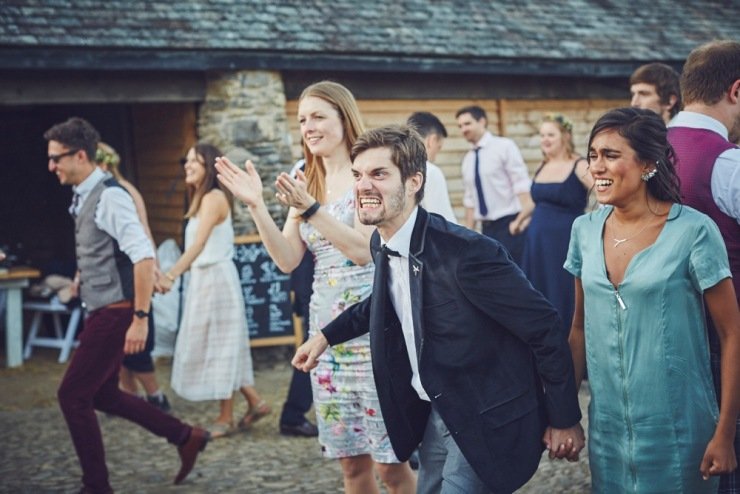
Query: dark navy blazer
pixel 489 351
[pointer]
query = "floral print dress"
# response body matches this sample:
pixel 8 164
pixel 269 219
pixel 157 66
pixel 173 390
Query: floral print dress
pixel 345 399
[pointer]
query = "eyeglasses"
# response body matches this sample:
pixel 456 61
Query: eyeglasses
pixel 56 158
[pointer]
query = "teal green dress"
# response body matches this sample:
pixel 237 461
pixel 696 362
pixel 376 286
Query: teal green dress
pixel 653 408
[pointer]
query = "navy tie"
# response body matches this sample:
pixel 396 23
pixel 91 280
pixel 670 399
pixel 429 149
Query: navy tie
pixel 380 283
pixel 381 270
pixel 479 186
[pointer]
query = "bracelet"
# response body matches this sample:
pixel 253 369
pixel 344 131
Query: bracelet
pixel 311 210
pixel 169 277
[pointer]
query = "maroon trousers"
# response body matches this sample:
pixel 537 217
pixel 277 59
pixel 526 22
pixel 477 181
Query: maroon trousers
pixel 91 383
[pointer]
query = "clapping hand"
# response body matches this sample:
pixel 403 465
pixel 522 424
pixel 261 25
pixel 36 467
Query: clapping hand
pixel 246 185
pixel 292 192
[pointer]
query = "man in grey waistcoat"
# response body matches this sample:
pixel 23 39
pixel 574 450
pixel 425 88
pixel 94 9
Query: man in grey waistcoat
pixel 115 279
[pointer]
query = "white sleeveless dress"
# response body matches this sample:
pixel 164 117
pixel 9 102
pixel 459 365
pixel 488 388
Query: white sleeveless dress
pixel 212 356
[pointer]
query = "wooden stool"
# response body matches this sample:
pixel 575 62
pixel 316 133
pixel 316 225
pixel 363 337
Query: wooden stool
pixel 64 340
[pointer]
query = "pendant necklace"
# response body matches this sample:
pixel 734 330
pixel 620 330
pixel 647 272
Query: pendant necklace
pixel 620 241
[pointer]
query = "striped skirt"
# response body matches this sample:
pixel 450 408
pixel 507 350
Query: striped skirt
pixel 212 357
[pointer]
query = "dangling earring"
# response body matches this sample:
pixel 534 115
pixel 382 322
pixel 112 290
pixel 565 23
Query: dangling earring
pixel 648 174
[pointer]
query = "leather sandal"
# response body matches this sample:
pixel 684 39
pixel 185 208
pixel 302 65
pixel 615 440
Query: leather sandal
pixel 261 410
pixel 220 429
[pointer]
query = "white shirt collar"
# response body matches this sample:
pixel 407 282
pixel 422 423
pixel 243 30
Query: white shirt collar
pixel 698 121
pixel 87 185
pixel 401 241
pixel 487 137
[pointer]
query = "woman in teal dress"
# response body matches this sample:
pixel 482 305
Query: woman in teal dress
pixel 644 266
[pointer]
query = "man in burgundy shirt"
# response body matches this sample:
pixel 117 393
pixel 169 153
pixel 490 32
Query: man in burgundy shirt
pixel 709 164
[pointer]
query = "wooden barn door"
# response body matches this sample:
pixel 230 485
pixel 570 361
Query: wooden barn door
pixel 161 135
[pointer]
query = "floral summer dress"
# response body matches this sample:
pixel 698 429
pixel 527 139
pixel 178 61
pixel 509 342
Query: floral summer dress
pixel 346 402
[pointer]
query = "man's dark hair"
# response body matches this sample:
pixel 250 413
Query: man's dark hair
pixel 407 150
pixel 75 133
pixel 426 123
pixel 709 72
pixel 646 134
pixel 475 111
pixel 665 80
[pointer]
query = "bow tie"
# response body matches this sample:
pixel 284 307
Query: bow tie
pixel 389 252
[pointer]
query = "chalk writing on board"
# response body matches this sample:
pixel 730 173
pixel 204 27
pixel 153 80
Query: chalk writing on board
pixel 266 292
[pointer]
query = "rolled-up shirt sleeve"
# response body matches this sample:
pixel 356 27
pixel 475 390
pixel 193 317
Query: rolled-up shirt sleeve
pixel 725 183
pixel 516 169
pixel 468 174
pixel 116 216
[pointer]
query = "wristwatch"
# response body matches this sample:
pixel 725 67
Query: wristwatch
pixel 141 314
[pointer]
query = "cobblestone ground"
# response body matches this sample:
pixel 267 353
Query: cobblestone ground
pixel 37 454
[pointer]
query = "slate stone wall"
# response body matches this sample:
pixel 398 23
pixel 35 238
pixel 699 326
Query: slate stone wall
pixel 244 115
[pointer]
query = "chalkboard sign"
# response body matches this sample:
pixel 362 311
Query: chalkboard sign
pixel 267 295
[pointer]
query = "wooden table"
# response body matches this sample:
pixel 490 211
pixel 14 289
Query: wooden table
pixel 14 281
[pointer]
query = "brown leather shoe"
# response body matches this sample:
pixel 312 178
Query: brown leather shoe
pixel 189 450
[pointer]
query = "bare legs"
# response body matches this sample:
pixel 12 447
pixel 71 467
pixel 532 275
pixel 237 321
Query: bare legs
pixel 397 477
pixel 256 409
pixel 148 381
pixel 254 400
pixel 359 476
pixel 226 415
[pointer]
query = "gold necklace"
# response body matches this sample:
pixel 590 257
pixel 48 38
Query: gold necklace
pixel 620 241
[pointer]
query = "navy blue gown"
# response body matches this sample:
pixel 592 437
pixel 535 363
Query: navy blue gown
pixel 557 205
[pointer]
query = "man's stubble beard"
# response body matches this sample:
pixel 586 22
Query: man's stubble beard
pixel 396 203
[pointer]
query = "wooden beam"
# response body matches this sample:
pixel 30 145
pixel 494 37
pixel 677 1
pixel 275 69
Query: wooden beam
pixel 59 87
pixel 501 112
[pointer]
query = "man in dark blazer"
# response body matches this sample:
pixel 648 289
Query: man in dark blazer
pixel 466 355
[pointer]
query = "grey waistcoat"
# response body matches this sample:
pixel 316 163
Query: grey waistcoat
pixel 106 273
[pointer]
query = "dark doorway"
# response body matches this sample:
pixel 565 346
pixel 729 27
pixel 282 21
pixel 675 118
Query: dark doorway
pixel 34 222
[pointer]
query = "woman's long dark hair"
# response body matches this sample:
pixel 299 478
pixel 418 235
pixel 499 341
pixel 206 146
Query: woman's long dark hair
pixel 646 134
pixel 208 153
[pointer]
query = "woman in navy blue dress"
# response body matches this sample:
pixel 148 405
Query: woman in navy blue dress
pixel 560 193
